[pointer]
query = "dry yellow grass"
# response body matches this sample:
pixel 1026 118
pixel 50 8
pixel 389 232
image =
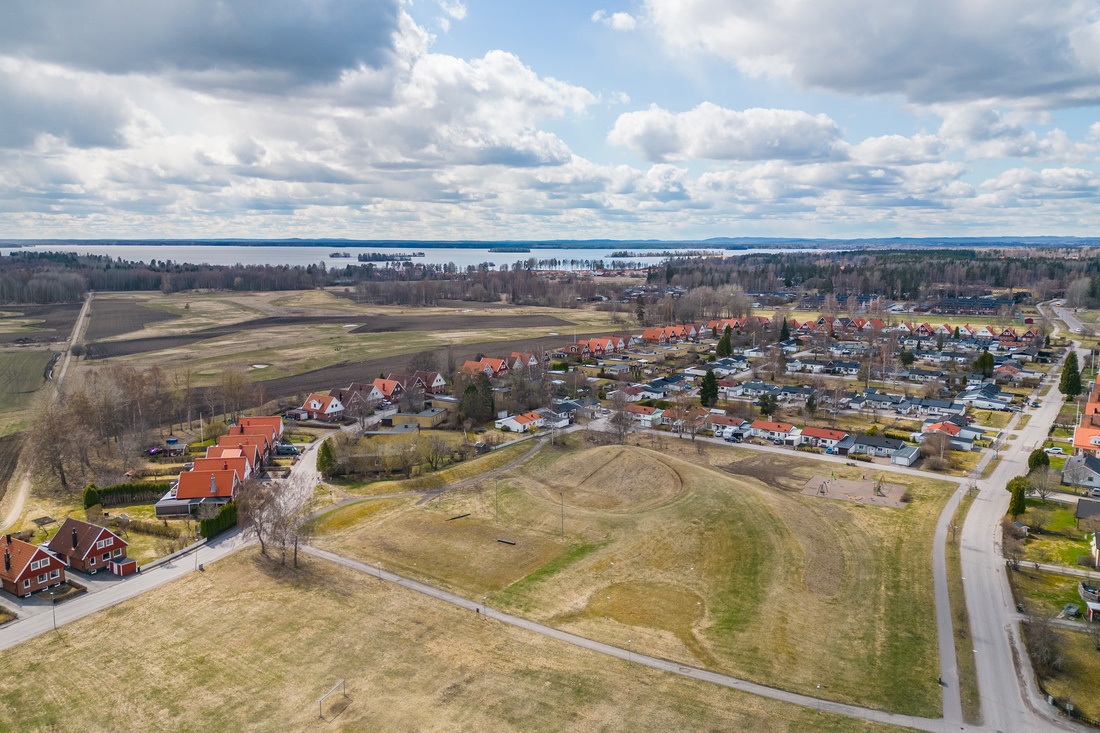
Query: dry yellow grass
pixel 790 590
pixel 248 646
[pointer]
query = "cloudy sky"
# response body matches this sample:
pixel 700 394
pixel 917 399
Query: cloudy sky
pixel 497 119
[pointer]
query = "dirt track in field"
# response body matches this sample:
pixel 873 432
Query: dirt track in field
pixel 10 447
pixel 370 324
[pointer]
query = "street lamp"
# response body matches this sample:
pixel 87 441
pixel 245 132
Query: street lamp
pixel 628 657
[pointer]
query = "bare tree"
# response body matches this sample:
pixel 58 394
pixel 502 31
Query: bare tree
pixel 258 511
pixel 1012 544
pixel 1042 484
pixel 621 422
pixel 434 451
pixel 1044 644
pixel 423 361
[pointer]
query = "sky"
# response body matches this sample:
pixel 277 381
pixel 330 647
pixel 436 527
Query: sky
pixel 549 119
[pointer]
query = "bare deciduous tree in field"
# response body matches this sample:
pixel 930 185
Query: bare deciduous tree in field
pixel 434 450
pixel 622 424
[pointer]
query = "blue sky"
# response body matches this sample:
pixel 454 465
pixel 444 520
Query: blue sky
pixel 441 119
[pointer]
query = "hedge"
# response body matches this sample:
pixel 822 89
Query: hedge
pixel 157 529
pixel 223 520
pixel 135 492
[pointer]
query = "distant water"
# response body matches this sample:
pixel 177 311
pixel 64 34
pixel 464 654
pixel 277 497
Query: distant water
pixel 310 255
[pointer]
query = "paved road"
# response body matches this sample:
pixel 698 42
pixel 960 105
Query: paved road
pixel 31 625
pixel 1010 701
pixel 926 724
pixel 1068 317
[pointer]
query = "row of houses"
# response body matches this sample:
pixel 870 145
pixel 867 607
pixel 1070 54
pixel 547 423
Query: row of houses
pixel 215 479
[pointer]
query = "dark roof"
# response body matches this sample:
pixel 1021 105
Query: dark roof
pixel 1088 509
pixel 879 442
pixel 86 537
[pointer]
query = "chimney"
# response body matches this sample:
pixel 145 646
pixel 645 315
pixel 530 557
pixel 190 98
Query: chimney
pixel 213 484
pixel 7 560
pixel 75 538
pixel 225 465
pixel 8 537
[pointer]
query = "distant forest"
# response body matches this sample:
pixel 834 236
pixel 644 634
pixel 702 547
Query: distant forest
pixel 904 274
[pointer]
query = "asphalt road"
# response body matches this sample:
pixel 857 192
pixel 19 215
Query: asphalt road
pixel 1010 702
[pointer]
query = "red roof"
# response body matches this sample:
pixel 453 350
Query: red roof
pixel 225 463
pixel 206 484
pixel 275 423
pixel 943 427
pixel 776 427
pixel 250 452
pixel 22 554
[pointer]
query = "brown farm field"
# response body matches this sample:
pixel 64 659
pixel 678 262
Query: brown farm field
pixel 25 324
pixel 255 645
pixel 109 317
pixel 697 553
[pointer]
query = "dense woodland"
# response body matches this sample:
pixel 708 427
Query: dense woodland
pixel 903 274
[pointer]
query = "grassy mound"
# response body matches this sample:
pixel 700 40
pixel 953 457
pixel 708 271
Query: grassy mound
pixel 613 478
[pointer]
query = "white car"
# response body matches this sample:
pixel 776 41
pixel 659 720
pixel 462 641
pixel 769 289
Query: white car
pixel 1054 451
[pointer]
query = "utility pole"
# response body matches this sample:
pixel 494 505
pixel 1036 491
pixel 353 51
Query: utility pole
pixel 561 496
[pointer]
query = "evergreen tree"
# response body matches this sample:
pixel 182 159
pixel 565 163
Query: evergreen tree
pixel 1037 458
pixel 811 405
pixel 91 496
pixel 725 346
pixel 956 334
pixel 784 330
pixel 324 459
pixel 984 364
pixel 708 389
pixel 639 309
pixel 1017 505
pixel 1070 385
pixel 768 405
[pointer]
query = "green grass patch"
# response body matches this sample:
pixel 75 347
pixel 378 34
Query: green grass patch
pixel 514 594
pixel 1023 421
pixel 991 418
pixel 1058 542
pixel 21 375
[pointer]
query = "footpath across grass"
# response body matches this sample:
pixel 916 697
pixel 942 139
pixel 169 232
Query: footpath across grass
pixel 253 646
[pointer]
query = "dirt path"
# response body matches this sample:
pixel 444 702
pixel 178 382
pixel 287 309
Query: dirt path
pixel 17 500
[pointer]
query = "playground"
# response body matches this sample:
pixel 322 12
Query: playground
pixel 872 489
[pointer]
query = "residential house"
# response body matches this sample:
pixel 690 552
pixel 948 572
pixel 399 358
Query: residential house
pixel 520 423
pixel 90 548
pixel 772 430
pixel 249 451
pixel 907 455
pixel 391 389
pixel 1088 514
pixel 240 464
pixel 194 488
pixel 358 398
pixel 723 426
pixel 433 382
pixel 952 431
pixel 875 445
pixel 28 568
pixel 1082 470
pixel 822 437
pixel 274 423
pixel 647 417
pixel 321 407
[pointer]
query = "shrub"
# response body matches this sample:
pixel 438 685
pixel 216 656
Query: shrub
pixel 223 520
pixel 133 492
pixel 91 496
pixel 157 529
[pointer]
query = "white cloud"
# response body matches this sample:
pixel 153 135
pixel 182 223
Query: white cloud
pixel 1034 52
pixel 615 21
pixel 713 132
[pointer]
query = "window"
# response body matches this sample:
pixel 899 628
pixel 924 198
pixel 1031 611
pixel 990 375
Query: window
pixel 27 583
pixel 101 544
pixel 91 560
pixel 34 565
pixel 54 574
pixel 118 552
pixel 106 556
pixel 43 578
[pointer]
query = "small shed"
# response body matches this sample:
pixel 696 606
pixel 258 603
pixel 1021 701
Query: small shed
pixel 1092 612
pixel 123 566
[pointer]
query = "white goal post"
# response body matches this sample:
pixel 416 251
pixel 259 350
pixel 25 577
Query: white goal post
pixel 341 686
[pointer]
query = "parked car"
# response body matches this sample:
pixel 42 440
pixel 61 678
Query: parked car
pixel 1035 403
pixel 733 438
pixel 1054 451
pixel 778 441
pixel 286 449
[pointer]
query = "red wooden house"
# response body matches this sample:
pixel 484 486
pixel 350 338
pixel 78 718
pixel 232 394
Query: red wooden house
pixel 28 568
pixel 90 548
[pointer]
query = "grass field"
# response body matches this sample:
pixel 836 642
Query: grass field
pixel 1059 542
pixel 1077 682
pixel 701 553
pixel 22 373
pixel 249 646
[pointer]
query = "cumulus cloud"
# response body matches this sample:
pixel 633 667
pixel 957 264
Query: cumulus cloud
pixel 615 21
pixel 713 132
pixel 243 43
pixel 1035 52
